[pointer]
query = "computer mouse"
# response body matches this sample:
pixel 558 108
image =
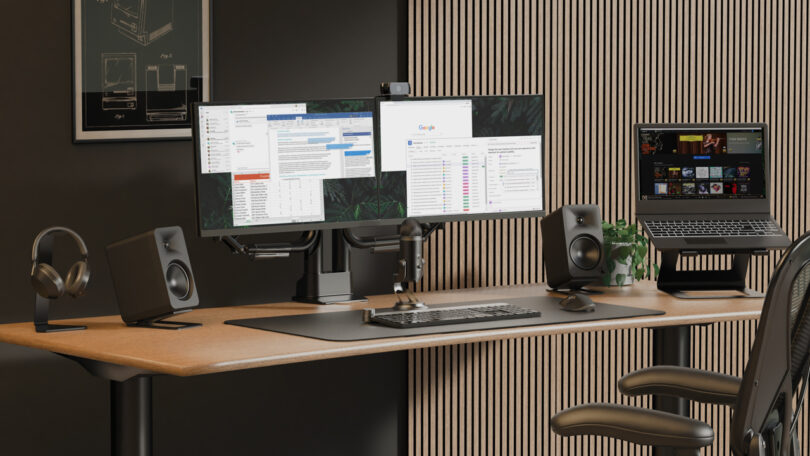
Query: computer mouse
pixel 577 302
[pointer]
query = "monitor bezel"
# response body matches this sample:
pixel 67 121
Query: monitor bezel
pixel 701 206
pixel 468 217
pixel 282 227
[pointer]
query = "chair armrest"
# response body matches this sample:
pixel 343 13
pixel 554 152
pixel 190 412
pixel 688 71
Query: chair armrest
pixel 637 425
pixel 693 384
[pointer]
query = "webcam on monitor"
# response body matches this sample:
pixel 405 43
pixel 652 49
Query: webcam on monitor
pixel 395 88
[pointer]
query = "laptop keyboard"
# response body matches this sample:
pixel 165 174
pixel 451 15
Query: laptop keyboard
pixel 712 228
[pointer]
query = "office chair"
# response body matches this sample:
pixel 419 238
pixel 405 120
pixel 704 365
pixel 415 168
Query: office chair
pixel 763 421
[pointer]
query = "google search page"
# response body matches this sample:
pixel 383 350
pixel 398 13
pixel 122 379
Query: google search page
pixel 401 122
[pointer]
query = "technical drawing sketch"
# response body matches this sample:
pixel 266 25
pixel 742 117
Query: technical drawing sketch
pixel 138 67
pixel 166 93
pixel 143 21
pixel 119 79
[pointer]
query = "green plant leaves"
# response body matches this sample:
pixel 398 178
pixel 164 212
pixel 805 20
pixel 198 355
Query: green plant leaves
pixel 623 253
pixel 634 254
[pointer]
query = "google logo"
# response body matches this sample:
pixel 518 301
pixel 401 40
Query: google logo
pixel 427 127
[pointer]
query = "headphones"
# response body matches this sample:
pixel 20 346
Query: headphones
pixel 46 281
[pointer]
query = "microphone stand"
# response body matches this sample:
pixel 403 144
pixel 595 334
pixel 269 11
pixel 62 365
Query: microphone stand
pixel 413 302
pixel 411 264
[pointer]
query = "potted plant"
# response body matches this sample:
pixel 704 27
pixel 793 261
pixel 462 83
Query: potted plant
pixel 625 254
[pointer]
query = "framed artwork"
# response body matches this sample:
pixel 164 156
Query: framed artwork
pixel 138 65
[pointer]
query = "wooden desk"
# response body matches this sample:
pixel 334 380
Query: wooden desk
pixel 217 347
pixel 129 356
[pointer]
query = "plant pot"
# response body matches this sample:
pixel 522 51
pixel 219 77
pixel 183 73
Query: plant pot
pixel 620 259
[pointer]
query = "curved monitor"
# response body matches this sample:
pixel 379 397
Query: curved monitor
pixel 461 158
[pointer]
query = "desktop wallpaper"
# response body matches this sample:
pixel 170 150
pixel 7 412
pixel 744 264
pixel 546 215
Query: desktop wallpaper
pixel 507 116
pixel 347 200
pixel 393 196
pixel 214 201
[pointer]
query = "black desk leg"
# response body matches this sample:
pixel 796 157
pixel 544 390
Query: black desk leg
pixel 131 416
pixel 671 346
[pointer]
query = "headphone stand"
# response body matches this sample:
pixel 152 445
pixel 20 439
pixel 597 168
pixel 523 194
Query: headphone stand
pixel 42 305
pixel 41 308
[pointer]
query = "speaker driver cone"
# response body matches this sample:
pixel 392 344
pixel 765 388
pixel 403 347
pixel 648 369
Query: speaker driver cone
pixel 585 252
pixel 178 281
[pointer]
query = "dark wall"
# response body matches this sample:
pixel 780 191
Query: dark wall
pixel 108 191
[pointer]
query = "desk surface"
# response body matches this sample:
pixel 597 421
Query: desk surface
pixel 217 347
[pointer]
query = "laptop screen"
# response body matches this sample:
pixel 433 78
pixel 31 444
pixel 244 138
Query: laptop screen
pixel 714 163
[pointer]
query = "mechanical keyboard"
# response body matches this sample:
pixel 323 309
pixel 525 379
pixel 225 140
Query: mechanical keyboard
pixel 472 313
pixel 712 228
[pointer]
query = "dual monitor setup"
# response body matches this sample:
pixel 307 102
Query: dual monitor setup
pixel 327 166
pixel 332 164
pixel 339 164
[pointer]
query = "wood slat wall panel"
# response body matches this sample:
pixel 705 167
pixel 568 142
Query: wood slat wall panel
pixel 602 67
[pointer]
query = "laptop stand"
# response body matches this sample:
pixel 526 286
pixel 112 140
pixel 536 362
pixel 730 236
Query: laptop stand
pixel 697 284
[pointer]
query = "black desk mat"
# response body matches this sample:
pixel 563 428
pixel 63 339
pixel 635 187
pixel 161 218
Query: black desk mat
pixel 348 325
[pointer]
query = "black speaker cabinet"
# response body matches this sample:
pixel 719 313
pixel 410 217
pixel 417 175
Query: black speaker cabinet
pixel 572 246
pixel 152 276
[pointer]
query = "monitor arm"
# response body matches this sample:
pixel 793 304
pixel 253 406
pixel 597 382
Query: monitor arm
pixel 307 241
pixel 386 243
pixel 377 244
pixel 316 286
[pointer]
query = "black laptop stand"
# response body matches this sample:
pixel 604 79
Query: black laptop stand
pixel 680 283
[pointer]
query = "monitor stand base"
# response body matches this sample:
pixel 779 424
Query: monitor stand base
pixel 706 284
pixel 318 287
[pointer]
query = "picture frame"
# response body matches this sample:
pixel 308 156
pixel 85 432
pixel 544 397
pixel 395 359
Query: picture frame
pixel 138 66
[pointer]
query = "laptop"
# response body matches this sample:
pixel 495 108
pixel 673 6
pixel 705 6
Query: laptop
pixel 705 187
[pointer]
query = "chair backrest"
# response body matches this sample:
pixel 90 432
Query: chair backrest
pixel 780 353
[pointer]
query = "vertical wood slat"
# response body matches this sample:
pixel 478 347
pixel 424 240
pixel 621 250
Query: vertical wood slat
pixel 602 66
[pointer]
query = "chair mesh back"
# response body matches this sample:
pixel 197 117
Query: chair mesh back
pixel 780 349
pixel 799 323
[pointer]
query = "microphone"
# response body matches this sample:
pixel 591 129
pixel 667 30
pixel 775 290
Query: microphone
pixel 410 252
pixel 410 265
